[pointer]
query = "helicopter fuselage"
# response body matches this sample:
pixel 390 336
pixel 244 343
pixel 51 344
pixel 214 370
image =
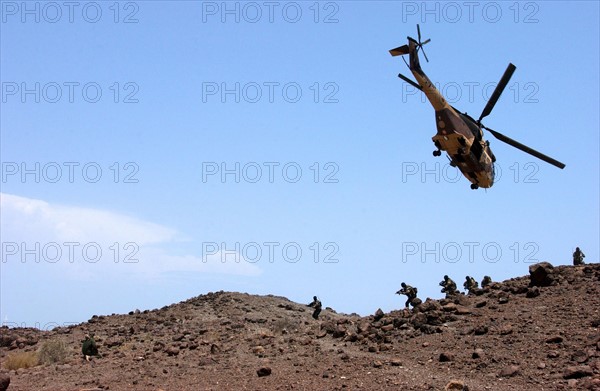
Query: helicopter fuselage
pixel 458 134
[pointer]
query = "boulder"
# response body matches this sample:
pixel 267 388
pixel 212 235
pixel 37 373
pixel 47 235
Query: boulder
pixel 4 382
pixel 541 274
pixel 456 385
pixel 264 371
pixel 577 372
pixel 509 371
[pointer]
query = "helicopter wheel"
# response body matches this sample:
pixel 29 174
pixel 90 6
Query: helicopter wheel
pixel 437 153
pixel 474 186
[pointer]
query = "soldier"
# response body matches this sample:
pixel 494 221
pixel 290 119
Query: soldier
pixel 316 304
pixel 578 256
pixel 470 284
pixel 89 347
pixel 449 287
pixel 487 280
pixel 410 292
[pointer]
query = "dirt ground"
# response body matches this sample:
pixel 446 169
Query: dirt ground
pixel 509 336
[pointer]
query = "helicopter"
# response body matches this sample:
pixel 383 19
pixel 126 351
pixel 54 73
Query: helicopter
pixel 459 134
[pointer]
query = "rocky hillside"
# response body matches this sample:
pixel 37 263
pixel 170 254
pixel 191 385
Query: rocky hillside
pixel 539 332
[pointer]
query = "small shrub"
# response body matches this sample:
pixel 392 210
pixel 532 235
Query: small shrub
pixel 53 352
pixel 21 360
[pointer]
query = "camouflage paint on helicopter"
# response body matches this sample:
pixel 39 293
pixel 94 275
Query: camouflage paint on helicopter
pixel 458 134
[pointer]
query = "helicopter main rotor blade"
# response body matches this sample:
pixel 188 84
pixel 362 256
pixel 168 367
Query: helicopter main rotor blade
pixel 525 148
pixel 498 91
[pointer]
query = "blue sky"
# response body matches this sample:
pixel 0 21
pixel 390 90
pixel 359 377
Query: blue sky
pixel 153 151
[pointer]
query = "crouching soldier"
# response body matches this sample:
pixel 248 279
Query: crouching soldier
pixel 470 284
pixel 487 280
pixel 89 347
pixel 448 287
pixel 578 256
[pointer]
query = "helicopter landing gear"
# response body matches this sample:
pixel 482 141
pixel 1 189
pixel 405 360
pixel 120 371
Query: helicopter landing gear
pixel 437 153
pixel 474 186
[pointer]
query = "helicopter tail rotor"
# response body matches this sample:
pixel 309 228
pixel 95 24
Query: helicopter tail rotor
pixel 404 49
pixel 420 44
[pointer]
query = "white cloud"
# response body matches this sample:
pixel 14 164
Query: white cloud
pixel 145 244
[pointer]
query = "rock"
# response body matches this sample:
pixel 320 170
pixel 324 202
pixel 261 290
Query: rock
pixel 396 362
pixel 178 337
pixel 379 314
pixel 172 351
pixel 572 383
pixel 429 329
pixel 418 320
pixel 450 307
pixel 377 364
pixel 532 292
pixel 264 371
pixel 214 348
pixel 430 305
pixel 541 274
pixel 434 318
pixel 4 382
pixel 258 350
pixel 351 337
pixel 461 310
pixel 481 304
pixel 577 372
pixel 509 371
pixel 480 330
pixel 339 331
pixel 456 385
pixel 113 341
pixel 506 329
pixel 158 346
pixel 328 326
pixel 555 339
pixel 579 356
pixel 387 327
pixel 446 357
pixel 478 353
pixel 362 327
